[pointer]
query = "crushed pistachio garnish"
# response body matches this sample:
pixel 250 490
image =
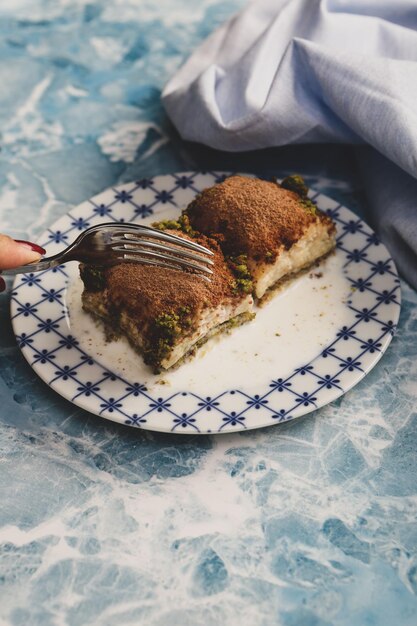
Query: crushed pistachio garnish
pixel 309 205
pixel 181 223
pixel 297 184
pixel 239 266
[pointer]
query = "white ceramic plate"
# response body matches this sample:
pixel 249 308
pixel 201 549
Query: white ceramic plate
pixel 310 344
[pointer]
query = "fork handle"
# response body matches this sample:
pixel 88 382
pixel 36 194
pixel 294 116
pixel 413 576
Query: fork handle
pixel 42 265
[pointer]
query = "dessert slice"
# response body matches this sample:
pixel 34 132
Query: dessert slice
pixel 165 313
pixel 266 230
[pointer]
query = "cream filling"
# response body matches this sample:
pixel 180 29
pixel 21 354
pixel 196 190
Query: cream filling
pixel 315 243
pixel 211 319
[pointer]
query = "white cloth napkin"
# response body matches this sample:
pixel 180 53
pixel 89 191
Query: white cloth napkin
pixel 300 71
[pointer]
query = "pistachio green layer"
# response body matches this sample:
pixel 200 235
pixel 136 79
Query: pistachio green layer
pixel 243 278
pixel 166 329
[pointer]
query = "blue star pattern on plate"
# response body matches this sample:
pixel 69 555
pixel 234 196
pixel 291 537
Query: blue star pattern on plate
pixel 40 320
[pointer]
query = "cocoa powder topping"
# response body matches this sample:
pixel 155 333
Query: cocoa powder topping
pixel 146 291
pixel 250 216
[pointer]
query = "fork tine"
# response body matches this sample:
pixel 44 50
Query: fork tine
pixel 140 244
pixel 94 246
pixel 174 260
pixel 139 231
pixel 160 261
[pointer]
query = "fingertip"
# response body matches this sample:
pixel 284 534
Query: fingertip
pixel 14 253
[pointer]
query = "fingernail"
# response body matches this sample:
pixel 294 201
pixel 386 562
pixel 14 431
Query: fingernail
pixel 31 246
pixel 2 284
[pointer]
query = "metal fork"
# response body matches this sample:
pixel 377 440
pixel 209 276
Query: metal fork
pixel 109 244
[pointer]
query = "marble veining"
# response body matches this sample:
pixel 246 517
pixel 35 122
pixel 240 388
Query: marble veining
pixel 309 523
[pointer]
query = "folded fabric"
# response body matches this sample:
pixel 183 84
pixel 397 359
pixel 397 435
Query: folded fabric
pixel 300 71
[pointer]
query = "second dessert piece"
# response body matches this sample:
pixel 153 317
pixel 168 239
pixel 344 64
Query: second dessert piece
pixel 266 230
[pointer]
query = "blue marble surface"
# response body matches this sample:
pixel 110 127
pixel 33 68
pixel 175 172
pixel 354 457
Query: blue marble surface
pixel 310 523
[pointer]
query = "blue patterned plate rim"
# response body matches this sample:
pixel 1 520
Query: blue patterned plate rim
pixel 42 325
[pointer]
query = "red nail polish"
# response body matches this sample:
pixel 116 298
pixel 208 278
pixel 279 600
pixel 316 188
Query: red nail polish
pixel 32 246
pixel 2 284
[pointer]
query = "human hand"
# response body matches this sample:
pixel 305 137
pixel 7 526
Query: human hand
pixel 14 252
